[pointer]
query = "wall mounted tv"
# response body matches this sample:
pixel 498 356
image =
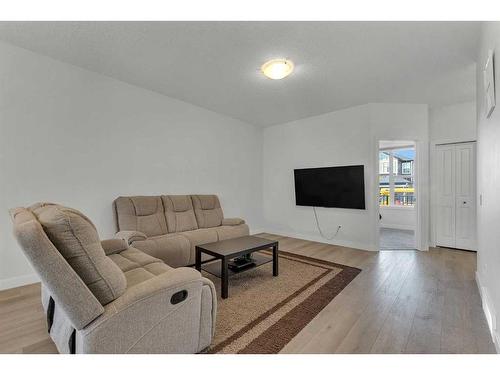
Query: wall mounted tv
pixel 342 187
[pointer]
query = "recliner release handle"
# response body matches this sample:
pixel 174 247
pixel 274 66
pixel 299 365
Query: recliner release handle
pixel 50 313
pixel 178 297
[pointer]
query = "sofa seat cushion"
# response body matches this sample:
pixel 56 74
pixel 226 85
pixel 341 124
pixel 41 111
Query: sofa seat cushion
pixel 173 249
pixel 226 232
pixel 179 213
pixel 132 258
pixel 138 266
pixel 76 238
pixel 141 274
pixel 200 237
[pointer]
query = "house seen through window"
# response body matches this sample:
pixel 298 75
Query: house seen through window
pixel 396 186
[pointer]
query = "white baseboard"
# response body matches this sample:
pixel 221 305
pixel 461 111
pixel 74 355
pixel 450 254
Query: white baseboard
pixel 397 226
pixel 318 238
pixel 489 312
pixel 14 282
pixel 257 231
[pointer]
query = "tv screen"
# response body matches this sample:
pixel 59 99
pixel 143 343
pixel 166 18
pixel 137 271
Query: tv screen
pixel 342 187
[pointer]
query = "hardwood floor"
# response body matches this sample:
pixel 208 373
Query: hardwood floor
pixel 402 302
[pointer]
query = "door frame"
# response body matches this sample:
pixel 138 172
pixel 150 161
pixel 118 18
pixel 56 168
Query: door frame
pixel 419 194
pixel 434 186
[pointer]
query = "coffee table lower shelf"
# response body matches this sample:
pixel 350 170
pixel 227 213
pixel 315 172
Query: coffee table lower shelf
pixel 214 267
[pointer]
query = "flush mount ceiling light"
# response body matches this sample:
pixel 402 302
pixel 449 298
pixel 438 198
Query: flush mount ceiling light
pixel 277 68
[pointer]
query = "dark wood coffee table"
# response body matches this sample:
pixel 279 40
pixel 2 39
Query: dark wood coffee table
pixel 229 249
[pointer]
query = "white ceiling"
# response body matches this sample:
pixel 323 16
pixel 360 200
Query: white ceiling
pixel 216 64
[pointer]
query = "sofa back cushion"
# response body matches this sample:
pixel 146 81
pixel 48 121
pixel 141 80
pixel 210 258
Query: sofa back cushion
pixel 179 213
pixel 68 290
pixel 207 210
pixel 76 239
pixel 141 213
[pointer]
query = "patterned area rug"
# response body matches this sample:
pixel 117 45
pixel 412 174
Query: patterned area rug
pixel 263 313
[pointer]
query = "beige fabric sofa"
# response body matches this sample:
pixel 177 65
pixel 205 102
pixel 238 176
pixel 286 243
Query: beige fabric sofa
pixel 169 227
pixel 108 297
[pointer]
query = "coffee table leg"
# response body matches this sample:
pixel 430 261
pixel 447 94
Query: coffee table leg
pixel 275 260
pixel 197 263
pixel 224 278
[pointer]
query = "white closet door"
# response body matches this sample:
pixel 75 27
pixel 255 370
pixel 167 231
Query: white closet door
pixel 445 172
pixel 456 203
pixel 465 196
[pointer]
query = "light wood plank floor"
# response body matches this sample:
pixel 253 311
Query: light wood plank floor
pixel 402 302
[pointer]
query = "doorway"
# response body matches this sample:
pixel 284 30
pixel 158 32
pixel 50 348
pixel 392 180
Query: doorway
pixel 455 173
pixel 397 195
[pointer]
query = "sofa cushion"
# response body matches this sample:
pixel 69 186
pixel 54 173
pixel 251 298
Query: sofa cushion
pixel 73 296
pixel 207 210
pixel 226 232
pixel 141 213
pixel 132 258
pixel 199 237
pixel 76 238
pixel 179 213
pixel 141 274
pixel 173 249
pixel 138 266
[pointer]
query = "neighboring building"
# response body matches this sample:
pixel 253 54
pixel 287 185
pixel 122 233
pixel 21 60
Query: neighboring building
pixel 402 169
pixel 401 165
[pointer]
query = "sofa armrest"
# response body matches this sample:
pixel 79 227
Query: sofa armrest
pixel 114 245
pixel 146 317
pixel 233 221
pixel 173 280
pixel 130 236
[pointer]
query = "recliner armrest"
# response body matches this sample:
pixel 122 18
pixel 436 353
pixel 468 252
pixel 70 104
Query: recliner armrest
pixel 130 324
pixel 233 221
pixel 175 279
pixel 114 245
pixel 131 235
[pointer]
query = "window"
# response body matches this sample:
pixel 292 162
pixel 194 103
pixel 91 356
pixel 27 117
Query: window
pixel 396 188
pixel 395 163
pixel 384 178
pixel 383 163
pixel 406 167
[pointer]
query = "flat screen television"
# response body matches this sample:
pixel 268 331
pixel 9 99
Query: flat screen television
pixel 341 187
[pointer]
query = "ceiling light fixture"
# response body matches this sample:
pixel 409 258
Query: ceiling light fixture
pixel 277 68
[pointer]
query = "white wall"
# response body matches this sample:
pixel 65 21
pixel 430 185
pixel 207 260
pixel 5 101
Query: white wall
pixel 74 137
pixel 398 217
pixel 337 138
pixel 453 123
pixel 345 137
pixel 488 177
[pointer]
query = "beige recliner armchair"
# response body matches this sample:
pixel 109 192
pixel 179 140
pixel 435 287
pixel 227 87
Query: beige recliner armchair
pixel 107 297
